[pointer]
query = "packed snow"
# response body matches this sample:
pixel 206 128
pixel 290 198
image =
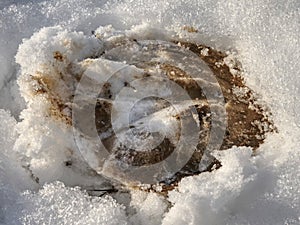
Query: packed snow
pixel 37 188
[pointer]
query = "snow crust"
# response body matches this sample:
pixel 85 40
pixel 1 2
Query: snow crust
pixel 260 189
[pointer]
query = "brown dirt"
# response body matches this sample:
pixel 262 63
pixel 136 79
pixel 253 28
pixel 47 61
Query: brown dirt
pixel 245 117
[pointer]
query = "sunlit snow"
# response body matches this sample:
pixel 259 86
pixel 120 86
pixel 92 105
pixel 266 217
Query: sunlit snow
pixel 248 189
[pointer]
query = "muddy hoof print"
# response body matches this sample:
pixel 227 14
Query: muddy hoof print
pixel 146 113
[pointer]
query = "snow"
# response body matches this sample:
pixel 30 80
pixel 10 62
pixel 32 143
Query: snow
pixel 57 204
pixel 244 190
pixel 149 207
pixel 260 189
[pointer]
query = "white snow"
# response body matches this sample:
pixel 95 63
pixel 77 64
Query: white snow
pixel 57 204
pixel 149 207
pixel 260 189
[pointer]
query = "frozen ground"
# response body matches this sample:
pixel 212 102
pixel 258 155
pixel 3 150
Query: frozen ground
pixel 264 189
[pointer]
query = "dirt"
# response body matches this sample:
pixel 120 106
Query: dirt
pixel 248 121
